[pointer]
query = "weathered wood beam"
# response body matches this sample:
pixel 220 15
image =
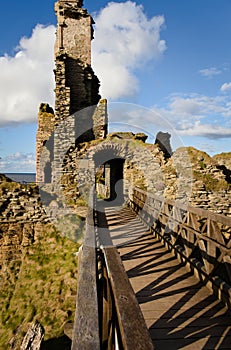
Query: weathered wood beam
pixel 133 330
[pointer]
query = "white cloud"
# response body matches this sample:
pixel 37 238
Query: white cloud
pixel 193 105
pixel 208 147
pixel 210 72
pixel 198 115
pixel 125 40
pixel 186 106
pixel 18 162
pixel 27 78
pixel 206 130
pixel 225 87
pixel 183 115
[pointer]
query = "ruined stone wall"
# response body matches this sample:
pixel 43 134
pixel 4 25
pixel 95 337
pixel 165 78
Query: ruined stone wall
pixel 76 84
pixel 64 138
pixel 74 32
pixel 187 176
pixel 210 186
pixel 84 162
pixel 62 91
pixel 100 120
pixel 46 121
pixel 22 219
pixel 215 196
pixel 83 126
pixel 77 88
pixel 223 159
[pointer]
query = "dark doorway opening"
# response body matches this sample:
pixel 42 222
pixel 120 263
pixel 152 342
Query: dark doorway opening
pixel 113 175
pixel 116 180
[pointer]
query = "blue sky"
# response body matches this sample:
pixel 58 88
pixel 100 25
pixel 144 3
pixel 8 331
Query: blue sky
pixel 171 57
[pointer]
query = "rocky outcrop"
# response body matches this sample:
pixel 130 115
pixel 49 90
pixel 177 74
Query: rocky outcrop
pixel 223 159
pixel 37 268
pixel 33 338
pixel 210 183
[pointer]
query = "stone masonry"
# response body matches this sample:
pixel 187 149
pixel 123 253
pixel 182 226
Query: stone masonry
pixel 46 122
pixel 22 219
pixel 76 85
pixel 76 93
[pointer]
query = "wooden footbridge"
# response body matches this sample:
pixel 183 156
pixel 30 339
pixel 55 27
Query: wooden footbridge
pixel 153 274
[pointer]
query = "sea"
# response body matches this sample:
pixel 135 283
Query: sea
pixel 24 178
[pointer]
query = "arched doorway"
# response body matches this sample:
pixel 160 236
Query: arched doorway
pixel 117 166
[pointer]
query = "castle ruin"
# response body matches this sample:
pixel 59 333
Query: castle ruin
pixel 76 88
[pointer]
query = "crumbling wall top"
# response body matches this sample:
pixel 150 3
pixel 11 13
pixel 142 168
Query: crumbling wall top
pixel 67 6
pixel 79 3
pixel 70 9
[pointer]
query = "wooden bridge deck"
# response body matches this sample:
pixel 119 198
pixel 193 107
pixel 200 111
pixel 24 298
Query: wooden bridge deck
pixel 179 311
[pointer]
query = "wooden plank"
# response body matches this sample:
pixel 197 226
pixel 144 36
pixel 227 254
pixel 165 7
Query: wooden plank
pixel 194 344
pixel 187 332
pixel 86 327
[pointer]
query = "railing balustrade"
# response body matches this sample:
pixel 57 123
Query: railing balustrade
pixel 108 316
pixel 200 237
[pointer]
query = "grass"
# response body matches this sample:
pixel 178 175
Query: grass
pixel 211 183
pixel 41 286
pixel 224 155
pixel 202 160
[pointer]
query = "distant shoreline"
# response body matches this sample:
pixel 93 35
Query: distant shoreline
pixel 21 177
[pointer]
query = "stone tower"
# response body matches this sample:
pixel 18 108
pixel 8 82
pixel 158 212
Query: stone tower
pixel 76 84
pixel 76 88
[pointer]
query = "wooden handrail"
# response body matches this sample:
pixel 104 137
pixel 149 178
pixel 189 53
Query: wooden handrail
pixel 108 315
pixel 202 237
pixel 123 324
pixel 199 211
pixel 86 326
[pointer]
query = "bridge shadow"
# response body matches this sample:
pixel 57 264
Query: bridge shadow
pixel 205 326
pixel 61 343
pixel 179 310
